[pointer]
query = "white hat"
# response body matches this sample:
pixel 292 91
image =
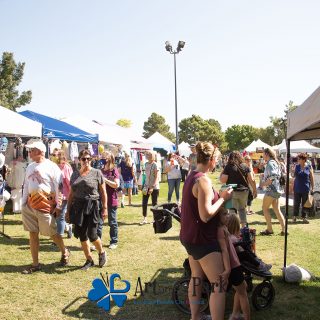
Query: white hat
pixel 37 144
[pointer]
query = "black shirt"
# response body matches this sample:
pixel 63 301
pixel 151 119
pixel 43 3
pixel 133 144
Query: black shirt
pixel 235 177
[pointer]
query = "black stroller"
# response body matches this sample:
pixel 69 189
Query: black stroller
pixel 262 296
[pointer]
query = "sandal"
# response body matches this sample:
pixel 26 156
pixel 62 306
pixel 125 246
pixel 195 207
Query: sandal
pixel 249 213
pixel 65 258
pixel 31 269
pixel 266 233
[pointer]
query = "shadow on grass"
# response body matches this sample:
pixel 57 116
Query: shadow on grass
pixel 170 238
pixel 121 223
pixel 150 300
pixel 47 268
pixel 10 222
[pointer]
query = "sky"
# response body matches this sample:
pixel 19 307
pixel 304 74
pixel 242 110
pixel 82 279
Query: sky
pixel 243 61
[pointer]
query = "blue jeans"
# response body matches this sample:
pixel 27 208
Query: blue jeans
pixel 113 224
pixel 61 221
pixel 174 184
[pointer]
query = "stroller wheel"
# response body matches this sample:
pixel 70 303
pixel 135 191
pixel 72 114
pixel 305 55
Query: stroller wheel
pixel 180 296
pixel 263 295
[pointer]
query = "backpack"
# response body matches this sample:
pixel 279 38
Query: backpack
pixel 282 179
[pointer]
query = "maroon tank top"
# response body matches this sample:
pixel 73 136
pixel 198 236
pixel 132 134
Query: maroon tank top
pixel 193 229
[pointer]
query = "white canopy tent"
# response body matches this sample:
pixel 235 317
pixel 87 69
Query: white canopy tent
pixel 303 123
pixel 15 125
pixel 184 149
pixel 297 147
pixel 108 133
pixel 158 141
pixel 257 144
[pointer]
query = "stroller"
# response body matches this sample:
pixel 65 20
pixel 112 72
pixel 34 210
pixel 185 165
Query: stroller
pixel 262 296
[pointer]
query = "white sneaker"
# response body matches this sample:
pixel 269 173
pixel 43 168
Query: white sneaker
pixel 113 246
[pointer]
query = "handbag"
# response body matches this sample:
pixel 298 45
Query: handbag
pixel 245 180
pixel 309 202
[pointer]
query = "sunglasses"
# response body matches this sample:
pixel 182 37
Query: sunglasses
pixel 85 159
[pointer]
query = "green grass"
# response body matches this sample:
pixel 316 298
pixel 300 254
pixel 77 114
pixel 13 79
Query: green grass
pixel 60 293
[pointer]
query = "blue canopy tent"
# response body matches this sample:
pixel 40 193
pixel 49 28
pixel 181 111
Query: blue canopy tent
pixel 56 129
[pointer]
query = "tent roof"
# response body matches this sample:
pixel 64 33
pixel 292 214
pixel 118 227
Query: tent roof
pixel 13 124
pixel 304 121
pixel 298 146
pixel 184 149
pixel 53 128
pixel 252 147
pixel 108 133
pixel 160 142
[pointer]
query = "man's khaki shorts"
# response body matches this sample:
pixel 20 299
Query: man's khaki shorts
pixel 37 221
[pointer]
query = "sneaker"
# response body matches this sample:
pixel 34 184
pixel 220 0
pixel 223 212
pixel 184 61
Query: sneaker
pixel 305 221
pixel 32 269
pixel 113 246
pixel 70 231
pixel 88 264
pixel 65 258
pixel 102 259
pixel 144 221
pixel 93 248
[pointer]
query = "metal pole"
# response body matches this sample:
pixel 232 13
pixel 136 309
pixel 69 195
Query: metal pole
pixel 176 103
pixel 287 207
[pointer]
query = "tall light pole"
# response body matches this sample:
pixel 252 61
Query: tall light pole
pixel 174 52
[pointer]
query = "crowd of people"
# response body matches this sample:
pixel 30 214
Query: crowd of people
pixel 58 198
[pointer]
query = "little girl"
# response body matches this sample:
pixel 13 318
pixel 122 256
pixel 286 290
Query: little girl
pixel 232 268
pixel 245 256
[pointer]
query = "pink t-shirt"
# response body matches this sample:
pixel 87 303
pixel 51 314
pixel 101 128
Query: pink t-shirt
pixel 66 171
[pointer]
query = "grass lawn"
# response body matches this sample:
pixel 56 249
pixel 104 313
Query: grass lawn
pixel 61 293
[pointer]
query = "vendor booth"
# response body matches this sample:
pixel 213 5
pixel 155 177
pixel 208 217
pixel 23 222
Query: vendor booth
pixel 15 125
pixel 56 129
pixel 12 164
pixel 303 123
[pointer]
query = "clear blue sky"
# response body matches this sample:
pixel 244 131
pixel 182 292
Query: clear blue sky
pixel 243 60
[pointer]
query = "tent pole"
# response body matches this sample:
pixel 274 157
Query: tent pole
pixel 287 206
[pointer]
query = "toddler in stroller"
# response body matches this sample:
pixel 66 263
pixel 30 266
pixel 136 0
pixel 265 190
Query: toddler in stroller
pixel 262 295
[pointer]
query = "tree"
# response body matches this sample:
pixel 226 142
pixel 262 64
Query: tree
pixel 240 136
pixel 280 124
pixel 267 135
pixel 11 75
pixel 126 123
pixel 157 123
pixel 197 129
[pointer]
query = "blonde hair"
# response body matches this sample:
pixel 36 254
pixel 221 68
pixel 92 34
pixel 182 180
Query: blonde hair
pixel 153 155
pixel 205 152
pixel 128 160
pixel 233 223
pixel 109 164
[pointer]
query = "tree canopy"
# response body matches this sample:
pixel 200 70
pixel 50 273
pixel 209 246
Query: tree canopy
pixel 197 129
pixel 11 74
pixel 126 123
pixel 240 136
pixel 157 123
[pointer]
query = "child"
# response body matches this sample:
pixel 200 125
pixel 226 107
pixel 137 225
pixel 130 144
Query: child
pixel 244 255
pixel 233 269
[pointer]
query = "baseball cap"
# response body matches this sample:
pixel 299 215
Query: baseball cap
pixel 37 144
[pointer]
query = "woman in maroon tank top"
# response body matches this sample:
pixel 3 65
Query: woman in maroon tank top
pixel 199 223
